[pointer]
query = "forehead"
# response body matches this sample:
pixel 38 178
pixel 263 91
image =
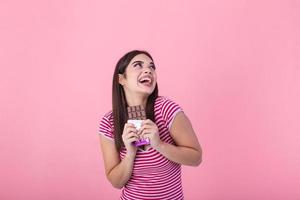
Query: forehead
pixel 141 57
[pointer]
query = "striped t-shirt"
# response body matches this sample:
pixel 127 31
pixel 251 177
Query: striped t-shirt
pixel 153 176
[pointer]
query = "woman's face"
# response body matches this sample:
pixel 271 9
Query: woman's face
pixel 140 76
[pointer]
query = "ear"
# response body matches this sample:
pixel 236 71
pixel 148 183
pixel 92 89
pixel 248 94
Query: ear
pixel 121 79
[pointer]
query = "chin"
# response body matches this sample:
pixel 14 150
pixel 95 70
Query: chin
pixel 147 92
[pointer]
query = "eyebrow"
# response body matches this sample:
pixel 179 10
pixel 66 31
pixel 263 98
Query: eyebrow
pixel 139 61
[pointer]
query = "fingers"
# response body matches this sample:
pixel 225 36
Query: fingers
pixel 131 139
pixel 129 133
pixel 128 125
pixel 146 126
pixel 146 133
pixel 147 130
pixel 129 128
pixel 147 121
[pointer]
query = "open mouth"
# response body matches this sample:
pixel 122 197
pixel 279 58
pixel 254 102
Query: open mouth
pixel 147 81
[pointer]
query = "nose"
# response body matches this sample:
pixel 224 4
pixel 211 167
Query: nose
pixel 147 70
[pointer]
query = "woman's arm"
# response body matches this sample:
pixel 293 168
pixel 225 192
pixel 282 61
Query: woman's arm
pixel 117 172
pixel 187 150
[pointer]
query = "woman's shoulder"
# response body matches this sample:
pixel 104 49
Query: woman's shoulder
pixel 108 118
pixel 168 109
pixel 163 100
pixel 106 125
pixel 108 115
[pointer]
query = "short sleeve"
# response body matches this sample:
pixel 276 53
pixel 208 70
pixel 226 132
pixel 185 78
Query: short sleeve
pixel 105 127
pixel 169 111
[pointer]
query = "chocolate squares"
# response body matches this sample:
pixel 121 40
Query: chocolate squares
pixel 136 112
pixel 136 115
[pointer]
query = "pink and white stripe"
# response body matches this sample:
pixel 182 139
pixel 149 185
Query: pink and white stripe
pixel 153 175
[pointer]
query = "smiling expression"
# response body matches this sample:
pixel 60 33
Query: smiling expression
pixel 140 75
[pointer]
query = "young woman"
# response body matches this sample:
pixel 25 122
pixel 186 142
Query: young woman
pixel 154 170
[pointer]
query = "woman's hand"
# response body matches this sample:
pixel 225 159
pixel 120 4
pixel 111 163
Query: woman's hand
pixel 150 130
pixel 129 136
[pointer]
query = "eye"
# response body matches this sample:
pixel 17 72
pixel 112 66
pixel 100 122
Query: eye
pixel 137 64
pixel 153 67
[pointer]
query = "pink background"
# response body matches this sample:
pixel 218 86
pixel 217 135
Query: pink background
pixel 232 65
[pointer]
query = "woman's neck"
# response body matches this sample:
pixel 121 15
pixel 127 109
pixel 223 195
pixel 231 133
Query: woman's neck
pixel 137 100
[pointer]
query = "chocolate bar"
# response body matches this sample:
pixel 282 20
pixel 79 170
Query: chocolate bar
pixel 136 114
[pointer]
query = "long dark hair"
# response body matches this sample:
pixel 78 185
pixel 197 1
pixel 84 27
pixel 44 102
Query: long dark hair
pixel 119 103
